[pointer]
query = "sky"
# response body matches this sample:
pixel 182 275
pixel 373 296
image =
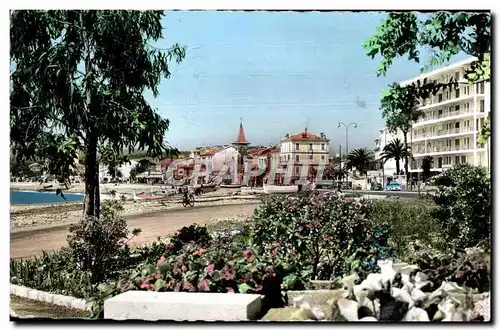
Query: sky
pixel 278 71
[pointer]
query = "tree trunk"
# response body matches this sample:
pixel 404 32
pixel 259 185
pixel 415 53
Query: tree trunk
pixel 406 156
pixel 92 201
pixel 398 168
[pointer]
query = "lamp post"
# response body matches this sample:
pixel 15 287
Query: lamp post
pixel 354 125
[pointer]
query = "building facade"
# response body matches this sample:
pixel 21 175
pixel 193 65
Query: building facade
pixel 304 151
pixel 448 131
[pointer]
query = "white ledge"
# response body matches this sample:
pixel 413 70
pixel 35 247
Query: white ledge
pixel 183 306
pixel 51 298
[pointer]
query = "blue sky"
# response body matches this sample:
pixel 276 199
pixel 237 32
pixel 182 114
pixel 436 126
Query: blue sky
pixel 279 71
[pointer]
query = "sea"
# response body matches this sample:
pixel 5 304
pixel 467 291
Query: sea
pixel 36 197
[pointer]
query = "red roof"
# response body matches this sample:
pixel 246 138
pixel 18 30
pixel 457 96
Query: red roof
pixel 241 136
pixel 305 136
pixel 260 151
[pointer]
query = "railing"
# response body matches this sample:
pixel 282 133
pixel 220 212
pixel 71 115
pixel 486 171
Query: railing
pixel 435 149
pixel 443 133
pixel 443 115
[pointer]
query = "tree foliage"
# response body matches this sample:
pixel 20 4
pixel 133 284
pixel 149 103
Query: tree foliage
pixel 78 84
pixel 396 150
pixel 360 159
pixel 427 163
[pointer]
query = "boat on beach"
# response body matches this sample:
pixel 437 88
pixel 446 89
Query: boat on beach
pixel 230 185
pixel 272 189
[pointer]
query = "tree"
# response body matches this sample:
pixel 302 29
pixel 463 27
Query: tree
pixel 334 171
pixel 444 34
pixel 77 85
pixel 396 150
pixel 426 167
pixel 360 159
pixel 400 109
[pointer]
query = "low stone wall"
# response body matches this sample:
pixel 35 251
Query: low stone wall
pixel 183 306
pixel 55 299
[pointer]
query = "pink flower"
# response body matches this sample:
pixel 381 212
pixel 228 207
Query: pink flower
pixel 147 286
pixel 171 284
pixel 272 252
pixel 184 268
pixel 328 238
pixel 276 244
pixel 209 269
pixel 229 290
pixel 199 252
pixel 188 286
pixel 161 260
pixel 176 270
pixel 249 255
pixel 180 260
pixel 229 274
pixel 288 244
pixel 203 285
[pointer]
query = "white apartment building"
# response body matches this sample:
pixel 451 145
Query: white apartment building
pixel 453 119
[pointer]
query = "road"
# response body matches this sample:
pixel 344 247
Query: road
pixel 29 243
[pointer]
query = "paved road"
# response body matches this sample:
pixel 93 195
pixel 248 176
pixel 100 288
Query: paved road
pixel 29 243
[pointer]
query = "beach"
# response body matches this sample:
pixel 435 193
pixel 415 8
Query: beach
pixel 36 216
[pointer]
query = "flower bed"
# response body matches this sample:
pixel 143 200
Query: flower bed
pixel 289 241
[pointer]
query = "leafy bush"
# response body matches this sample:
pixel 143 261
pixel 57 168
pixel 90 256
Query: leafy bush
pixel 218 268
pixel 327 235
pixel 96 243
pixel 470 267
pixel 408 221
pixel 193 234
pixel 464 199
pixel 56 273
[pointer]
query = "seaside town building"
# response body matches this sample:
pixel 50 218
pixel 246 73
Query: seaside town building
pixel 305 152
pixel 449 129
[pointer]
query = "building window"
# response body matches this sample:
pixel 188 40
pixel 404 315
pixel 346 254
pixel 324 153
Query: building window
pixel 464 159
pixel 310 146
pixel 457 93
pixel 288 159
pixel 457 75
pixel 322 157
pixel 480 87
pixel 447 95
pixel 466 90
pixel 481 106
pixel 457 108
pixel 457 159
pixel 440 97
pixel 322 147
pixel 297 170
pixel 296 146
pixel 297 158
pixel 310 156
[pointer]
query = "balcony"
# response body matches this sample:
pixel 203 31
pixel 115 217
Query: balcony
pixel 434 103
pixel 442 133
pixel 436 150
pixel 430 119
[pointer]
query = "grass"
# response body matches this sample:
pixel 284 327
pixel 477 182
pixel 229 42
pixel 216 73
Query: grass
pixel 26 307
pixel 409 220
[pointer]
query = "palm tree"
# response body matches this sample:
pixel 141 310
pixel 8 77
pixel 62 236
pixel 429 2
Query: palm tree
pixel 360 158
pixel 395 150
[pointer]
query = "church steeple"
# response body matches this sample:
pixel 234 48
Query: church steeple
pixel 241 139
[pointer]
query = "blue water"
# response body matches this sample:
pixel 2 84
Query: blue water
pixel 34 197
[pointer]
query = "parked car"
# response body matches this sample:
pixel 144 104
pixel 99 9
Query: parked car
pixel 376 186
pixel 393 186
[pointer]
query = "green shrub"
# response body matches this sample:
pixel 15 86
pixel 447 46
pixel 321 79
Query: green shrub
pixel 327 235
pixel 193 234
pixel 408 220
pixel 464 199
pixel 55 273
pixel 96 243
